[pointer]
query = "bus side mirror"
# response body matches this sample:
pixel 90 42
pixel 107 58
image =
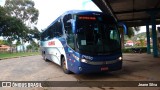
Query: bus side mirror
pixel 124 27
pixel 73 23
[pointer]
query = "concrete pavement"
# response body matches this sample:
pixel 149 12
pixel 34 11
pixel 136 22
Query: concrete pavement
pixel 136 67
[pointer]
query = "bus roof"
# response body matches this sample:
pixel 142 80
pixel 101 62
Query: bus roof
pixel 78 12
pixel 81 12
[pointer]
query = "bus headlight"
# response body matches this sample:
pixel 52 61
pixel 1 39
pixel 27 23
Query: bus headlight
pixel 84 60
pixel 120 58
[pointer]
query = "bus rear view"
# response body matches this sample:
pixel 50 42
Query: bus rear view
pixel 91 43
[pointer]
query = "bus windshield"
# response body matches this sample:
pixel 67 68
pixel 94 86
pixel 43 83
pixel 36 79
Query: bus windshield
pixel 97 37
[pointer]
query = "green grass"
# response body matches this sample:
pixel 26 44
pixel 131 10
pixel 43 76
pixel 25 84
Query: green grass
pixel 19 54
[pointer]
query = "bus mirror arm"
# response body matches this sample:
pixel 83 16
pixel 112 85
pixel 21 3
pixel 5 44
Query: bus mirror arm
pixel 73 23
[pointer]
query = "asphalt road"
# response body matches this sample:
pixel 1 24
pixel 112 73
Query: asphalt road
pixel 136 67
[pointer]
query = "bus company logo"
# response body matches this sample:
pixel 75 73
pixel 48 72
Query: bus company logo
pixel 6 84
pixel 51 43
pixel 87 57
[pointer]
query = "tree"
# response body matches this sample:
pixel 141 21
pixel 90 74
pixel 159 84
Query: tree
pixel 142 42
pixel 2 19
pixel 24 10
pixel 130 32
pixel 33 46
pixel 2 42
pixel 34 33
pixel 11 27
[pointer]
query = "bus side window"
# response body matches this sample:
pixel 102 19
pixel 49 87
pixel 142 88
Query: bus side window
pixel 67 24
pixel 68 30
pixel 58 30
pixel 70 39
pixel 50 33
pixel 44 36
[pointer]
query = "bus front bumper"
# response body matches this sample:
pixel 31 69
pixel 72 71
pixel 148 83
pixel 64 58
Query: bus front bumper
pixel 87 68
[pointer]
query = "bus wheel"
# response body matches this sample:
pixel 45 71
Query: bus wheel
pixel 65 70
pixel 44 57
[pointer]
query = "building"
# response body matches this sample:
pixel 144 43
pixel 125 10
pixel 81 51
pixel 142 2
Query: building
pixel 129 43
pixel 4 48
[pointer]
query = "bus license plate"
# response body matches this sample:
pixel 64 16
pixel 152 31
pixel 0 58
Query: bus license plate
pixel 104 68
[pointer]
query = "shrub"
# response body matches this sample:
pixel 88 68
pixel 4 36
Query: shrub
pixel 135 50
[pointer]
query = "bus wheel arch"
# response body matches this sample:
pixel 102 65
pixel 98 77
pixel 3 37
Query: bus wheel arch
pixel 62 56
pixel 44 56
pixel 63 65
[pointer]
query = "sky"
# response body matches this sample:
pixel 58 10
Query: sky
pixel 49 10
pixel 2 2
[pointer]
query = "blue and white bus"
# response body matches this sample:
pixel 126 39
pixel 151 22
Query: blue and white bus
pixel 83 42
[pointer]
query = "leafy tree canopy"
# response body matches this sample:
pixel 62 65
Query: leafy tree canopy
pixel 23 9
pixel 132 30
pixel 11 27
pixel 14 29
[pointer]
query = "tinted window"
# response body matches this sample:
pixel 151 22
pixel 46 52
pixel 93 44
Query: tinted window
pixel 97 35
pixel 54 30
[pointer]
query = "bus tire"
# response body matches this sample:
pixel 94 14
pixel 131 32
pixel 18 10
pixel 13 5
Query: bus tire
pixel 44 57
pixel 65 70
